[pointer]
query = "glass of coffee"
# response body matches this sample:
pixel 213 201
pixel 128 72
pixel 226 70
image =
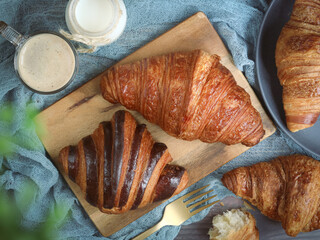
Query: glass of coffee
pixel 46 62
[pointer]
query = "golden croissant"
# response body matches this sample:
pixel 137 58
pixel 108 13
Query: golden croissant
pixel 190 95
pixel 119 167
pixel 286 189
pixel 298 64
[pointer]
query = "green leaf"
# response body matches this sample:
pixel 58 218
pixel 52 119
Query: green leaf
pixel 6 113
pixel 32 122
pixel 6 145
pixel 58 214
pixel 30 112
pixel 10 219
pixel 27 195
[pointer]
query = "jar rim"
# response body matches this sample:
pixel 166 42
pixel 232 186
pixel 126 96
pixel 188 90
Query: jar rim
pixel 71 9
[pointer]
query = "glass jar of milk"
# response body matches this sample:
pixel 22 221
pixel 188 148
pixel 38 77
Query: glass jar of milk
pixel 45 62
pixel 96 22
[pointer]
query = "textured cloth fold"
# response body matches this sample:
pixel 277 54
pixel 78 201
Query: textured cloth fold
pixel 237 23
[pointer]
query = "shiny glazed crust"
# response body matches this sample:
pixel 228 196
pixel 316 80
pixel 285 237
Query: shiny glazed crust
pixel 285 189
pixel 190 95
pixel 119 167
pixel 298 64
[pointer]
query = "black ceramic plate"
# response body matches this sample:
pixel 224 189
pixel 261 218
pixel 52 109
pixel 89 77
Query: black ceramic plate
pixel 277 15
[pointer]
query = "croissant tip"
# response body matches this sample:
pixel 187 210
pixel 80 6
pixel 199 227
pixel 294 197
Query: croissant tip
pixel 295 127
pixel 295 130
pixel 227 182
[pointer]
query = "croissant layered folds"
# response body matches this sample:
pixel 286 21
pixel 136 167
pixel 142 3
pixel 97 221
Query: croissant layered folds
pixel 298 64
pixel 119 167
pixel 190 95
pixel 285 189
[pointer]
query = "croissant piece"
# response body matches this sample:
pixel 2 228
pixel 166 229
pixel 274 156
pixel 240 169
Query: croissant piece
pixel 119 167
pixel 298 63
pixel 190 95
pixel 234 224
pixel 285 189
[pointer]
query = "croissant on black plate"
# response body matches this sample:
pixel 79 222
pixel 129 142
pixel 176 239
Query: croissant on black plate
pixel 298 64
pixel 119 167
pixel 190 95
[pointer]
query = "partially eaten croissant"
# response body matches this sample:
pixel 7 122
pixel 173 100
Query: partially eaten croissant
pixel 190 95
pixel 298 63
pixel 286 189
pixel 119 167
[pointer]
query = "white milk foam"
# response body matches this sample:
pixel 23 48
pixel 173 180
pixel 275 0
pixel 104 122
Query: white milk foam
pixel 46 62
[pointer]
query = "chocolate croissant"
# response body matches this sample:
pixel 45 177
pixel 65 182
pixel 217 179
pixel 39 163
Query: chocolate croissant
pixel 119 167
pixel 190 95
pixel 285 189
pixel 298 64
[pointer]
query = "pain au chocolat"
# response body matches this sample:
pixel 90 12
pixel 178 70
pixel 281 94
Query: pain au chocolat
pixel 119 167
pixel 190 95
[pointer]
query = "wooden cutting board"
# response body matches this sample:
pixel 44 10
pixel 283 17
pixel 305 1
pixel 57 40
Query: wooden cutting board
pixel 79 113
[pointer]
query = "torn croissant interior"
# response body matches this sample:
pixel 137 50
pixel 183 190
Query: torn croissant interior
pixel 234 224
pixel 119 167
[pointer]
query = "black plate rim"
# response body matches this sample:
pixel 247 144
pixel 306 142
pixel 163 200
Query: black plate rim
pixel 278 121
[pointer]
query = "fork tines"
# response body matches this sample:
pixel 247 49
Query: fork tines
pixel 194 205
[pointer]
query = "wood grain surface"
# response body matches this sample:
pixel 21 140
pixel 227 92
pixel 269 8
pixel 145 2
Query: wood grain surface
pixel 79 113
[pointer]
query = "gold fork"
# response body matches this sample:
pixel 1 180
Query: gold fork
pixel 178 211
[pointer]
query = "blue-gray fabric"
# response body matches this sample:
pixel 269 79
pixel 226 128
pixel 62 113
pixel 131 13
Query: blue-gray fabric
pixel 236 21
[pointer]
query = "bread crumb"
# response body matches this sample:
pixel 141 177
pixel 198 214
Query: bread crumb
pixel 222 204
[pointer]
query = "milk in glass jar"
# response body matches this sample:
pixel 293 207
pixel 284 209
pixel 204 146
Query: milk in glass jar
pixel 96 22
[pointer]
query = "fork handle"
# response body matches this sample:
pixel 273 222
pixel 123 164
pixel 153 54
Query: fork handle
pixel 147 233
